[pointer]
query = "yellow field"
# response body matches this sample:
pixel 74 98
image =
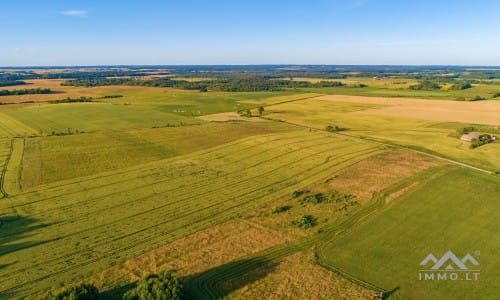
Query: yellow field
pixel 477 112
pixel 230 116
pixel 62 92
pixel 372 82
pixel 420 124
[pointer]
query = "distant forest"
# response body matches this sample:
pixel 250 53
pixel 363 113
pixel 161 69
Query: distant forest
pixel 234 78
pixel 238 84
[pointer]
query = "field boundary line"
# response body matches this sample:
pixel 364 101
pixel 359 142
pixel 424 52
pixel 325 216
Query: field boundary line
pixel 424 153
pixel 3 193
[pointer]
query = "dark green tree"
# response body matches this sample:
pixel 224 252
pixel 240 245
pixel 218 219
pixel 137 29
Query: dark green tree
pixel 161 286
pixel 261 110
pixel 79 292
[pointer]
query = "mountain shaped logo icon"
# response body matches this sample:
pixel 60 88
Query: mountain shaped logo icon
pixel 449 261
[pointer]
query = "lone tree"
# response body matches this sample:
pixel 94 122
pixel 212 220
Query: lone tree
pixel 161 286
pixel 261 110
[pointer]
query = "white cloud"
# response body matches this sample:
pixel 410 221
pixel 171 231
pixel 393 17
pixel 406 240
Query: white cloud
pixel 75 13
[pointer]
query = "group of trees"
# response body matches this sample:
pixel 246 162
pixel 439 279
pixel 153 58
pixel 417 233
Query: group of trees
pixel 229 84
pixel 25 92
pixel 10 82
pixel 461 86
pixel 248 113
pixel 425 85
pixel 79 292
pixel 161 286
pixel 482 140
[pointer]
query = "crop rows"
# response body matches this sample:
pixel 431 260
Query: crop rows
pixel 92 224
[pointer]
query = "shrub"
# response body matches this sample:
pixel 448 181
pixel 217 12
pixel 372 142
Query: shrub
pixel 245 113
pixel 280 209
pixel 332 197
pixel 334 128
pixel 79 292
pixel 315 199
pixel 466 130
pixel 261 110
pixel 161 286
pixel 305 222
pixel 477 98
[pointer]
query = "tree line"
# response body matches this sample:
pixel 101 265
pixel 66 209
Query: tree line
pixel 238 84
pixel 11 82
pixel 25 92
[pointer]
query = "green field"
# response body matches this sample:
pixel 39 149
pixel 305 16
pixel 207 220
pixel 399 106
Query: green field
pixel 57 158
pixel 49 118
pixel 449 209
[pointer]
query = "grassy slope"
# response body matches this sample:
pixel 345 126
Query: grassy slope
pixel 451 209
pixel 64 231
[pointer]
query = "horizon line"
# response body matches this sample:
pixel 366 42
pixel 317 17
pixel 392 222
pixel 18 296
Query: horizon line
pixel 243 65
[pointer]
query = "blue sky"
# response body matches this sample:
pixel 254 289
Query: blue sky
pixel 93 32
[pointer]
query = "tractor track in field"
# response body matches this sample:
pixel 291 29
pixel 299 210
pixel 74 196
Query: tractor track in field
pixel 227 212
pixel 207 183
pixel 243 181
pixel 154 183
pixel 3 193
pixel 384 143
pixel 208 285
pixel 388 144
pixel 117 174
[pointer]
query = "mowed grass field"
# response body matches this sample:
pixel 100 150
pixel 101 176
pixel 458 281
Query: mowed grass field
pixel 54 158
pixel 428 125
pixel 61 232
pixel 448 209
pixel 49 118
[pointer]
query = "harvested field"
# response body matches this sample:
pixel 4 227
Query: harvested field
pixel 475 112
